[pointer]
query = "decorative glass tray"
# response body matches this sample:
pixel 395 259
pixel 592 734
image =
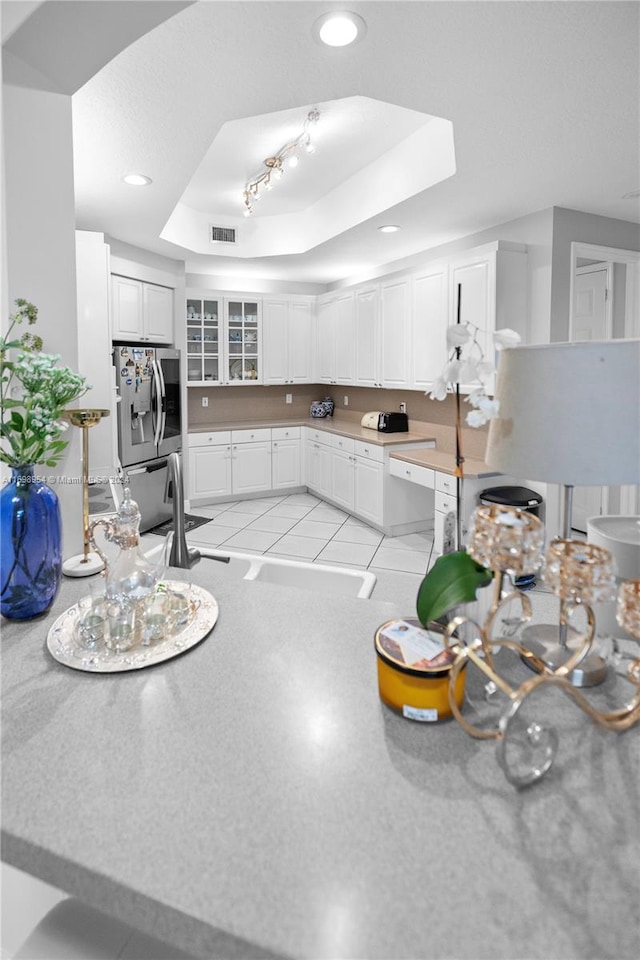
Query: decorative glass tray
pixel 64 647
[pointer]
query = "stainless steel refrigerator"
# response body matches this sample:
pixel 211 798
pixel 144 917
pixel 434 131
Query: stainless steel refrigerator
pixel 149 424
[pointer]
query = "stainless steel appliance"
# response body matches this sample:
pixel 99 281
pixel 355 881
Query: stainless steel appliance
pixel 149 424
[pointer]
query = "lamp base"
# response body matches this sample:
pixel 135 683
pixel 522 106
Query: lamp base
pixel 81 566
pixel 543 640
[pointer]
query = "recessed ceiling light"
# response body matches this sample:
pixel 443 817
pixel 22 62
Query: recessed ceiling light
pixel 389 228
pixel 339 29
pixel 137 179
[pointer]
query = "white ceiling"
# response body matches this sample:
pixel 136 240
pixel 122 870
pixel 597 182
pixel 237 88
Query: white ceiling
pixel 543 98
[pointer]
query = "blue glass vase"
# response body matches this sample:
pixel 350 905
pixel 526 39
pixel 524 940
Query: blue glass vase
pixel 30 545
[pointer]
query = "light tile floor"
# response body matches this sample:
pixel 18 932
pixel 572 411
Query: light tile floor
pixel 301 526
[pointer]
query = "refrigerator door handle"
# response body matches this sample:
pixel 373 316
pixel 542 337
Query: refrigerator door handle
pixel 161 397
pixel 158 401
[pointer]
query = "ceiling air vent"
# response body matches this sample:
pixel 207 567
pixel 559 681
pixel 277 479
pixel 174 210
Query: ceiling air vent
pixel 222 234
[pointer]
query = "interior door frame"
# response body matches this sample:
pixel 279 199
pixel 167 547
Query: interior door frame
pixel 607 256
pixel 599 267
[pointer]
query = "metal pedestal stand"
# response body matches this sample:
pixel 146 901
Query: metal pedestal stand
pixel 87 563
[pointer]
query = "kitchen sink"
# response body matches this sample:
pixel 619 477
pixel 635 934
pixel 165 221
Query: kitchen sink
pixel 321 578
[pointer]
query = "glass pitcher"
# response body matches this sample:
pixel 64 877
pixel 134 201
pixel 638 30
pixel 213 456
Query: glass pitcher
pixel 130 576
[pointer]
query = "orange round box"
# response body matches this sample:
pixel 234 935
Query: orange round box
pixel 415 685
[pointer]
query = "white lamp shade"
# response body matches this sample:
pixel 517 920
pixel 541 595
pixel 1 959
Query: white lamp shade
pixel 569 413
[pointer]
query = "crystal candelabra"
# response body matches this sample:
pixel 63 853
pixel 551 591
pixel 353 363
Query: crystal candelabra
pixel 509 542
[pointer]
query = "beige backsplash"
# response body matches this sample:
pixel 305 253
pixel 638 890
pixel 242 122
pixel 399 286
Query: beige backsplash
pixel 248 403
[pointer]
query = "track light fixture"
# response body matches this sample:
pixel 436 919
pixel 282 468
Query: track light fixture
pixel 288 154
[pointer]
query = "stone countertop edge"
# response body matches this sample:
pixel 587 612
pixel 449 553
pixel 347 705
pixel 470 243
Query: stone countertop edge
pixel 255 791
pixel 344 428
pixel 444 462
pixel 430 456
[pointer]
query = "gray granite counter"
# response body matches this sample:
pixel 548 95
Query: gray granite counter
pixel 254 798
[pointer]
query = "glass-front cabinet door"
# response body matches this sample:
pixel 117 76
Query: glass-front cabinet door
pixel 204 341
pixel 243 341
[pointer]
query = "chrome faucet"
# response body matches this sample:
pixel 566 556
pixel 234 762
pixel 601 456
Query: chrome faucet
pixel 181 555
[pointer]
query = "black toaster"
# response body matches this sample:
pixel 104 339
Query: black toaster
pixel 393 423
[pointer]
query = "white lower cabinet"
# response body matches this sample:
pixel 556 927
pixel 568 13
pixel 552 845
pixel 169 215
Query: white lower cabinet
pixel 369 489
pixel 356 476
pixel 210 465
pixel 226 463
pixel 318 463
pixel 250 466
pixel 286 458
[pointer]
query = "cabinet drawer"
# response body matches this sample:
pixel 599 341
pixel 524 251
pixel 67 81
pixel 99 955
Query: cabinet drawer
pixel 285 433
pixel 346 444
pixel 250 436
pixel 446 483
pixel 319 436
pixel 445 502
pixel 209 439
pixel 369 450
pixel 409 471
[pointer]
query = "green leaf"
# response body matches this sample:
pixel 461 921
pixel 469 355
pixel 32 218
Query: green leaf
pixel 453 579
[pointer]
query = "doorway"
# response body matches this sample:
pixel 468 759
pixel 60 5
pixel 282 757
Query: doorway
pixel 605 283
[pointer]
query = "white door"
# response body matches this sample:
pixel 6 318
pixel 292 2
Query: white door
pixel 326 333
pixel 300 343
pixel 285 463
pixel 274 341
pixel 590 305
pixel 589 323
pixel 395 315
pixel 209 471
pixel 367 373
pixel 345 339
pixel 158 313
pixel 368 490
pixel 251 469
pixel 342 479
pixel 429 327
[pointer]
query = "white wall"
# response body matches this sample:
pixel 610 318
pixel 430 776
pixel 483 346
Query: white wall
pixel 40 251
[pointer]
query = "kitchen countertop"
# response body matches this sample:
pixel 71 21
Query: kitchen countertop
pixel 346 428
pixel 254 798
pixel 446 462
pixel 430 456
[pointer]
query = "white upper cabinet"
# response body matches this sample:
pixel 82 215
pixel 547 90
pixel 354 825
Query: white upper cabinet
pixel 275 340
pixel 335 340
pixel 367 367
pixel 224 339
pixel 141 312
pixel 287 337
pixel 430 317
pixel 395 333
pixel 489 284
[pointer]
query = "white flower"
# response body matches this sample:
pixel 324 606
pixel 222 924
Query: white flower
pixel 486 370
pixel 475 397
pixel 439 390
pixel 451 373
pixel 476 418
pixel 489 407
pixel 468 371
pixel 458 335
pixel 506 338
